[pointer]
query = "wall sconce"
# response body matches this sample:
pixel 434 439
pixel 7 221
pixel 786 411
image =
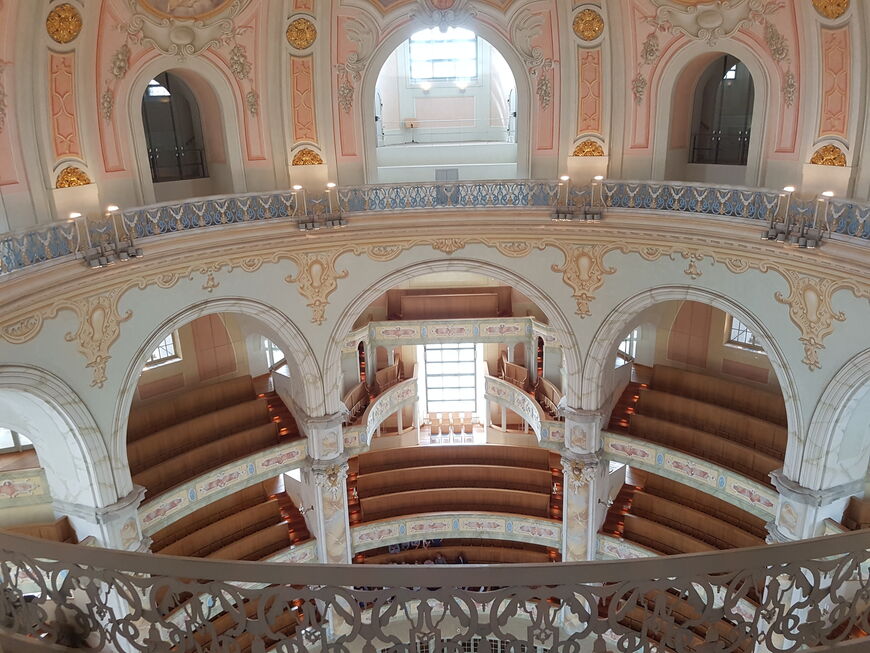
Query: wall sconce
pixel 425 86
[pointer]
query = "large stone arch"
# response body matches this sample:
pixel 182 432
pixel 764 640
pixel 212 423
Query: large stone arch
pixel 598 365
pixel 668 78
pixel 213 90
pixel 307 378
pixel 837 448
pixel 572 357
pixel 65 435
pixel 496 40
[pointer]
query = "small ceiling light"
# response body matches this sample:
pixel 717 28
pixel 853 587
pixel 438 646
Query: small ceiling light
pixel 789 189
pixel 331 184
pixel 828 193
pixel 112 208
pixel 74 215
pixel 565 178
pixel 297 187
pixel 598 177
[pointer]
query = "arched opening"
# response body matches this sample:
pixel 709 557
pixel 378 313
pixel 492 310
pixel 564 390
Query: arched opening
pixel 445 109
pixel 173 131
pixel 722 116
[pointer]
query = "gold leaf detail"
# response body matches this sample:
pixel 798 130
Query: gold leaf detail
pixel 588 148
pixel 63 23
pixel 317 280
pixel 584 272
pixel 307 157
pixel 694 258
pixel 301 33
pixel 588 25
pixel 72 176
pixel 448 245
pixel 831 8
pixel 99 328
pixel 829 155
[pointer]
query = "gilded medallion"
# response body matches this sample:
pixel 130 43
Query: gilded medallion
pixel 72 176
pixel 831 8
pixel 588 25
pixel 301 33
pixel 63 23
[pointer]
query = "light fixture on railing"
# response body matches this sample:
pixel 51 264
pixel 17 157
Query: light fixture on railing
pixel 565 208
pixel 462 84
pixel 598 177
pixel 425 86
pixel 105 255
pixel 74 215
pixel 802 234
pixel 112 208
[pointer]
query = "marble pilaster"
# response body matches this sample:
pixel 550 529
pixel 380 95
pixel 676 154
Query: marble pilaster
pixel 115 526
pixel 330 517
pixel 582 475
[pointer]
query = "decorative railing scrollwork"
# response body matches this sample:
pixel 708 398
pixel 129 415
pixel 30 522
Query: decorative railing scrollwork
pixel 74 237
pixel 786 597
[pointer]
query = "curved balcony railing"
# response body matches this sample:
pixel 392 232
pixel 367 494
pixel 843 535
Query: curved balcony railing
pixel 802 595
pixel 77 236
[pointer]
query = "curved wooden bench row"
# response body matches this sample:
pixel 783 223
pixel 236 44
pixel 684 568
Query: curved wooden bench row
pixel 173 471
pixel 765 437
pixel 661 538
pixel 475 555
pixel 857 514
pixel 255 546
pixel 223 532
pixel 705 503
pixel 56 531
pixel 468 454
pixel 178 438
pixel 713 390
pixel 444 476
pixel 284 622
pixel 213 512
pixel 157 414
pixel 533 504
pixel 698 525
pixel 706 446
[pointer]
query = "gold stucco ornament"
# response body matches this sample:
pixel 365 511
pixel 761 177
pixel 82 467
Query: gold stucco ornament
pixel 588 25
pixel 588 148
pixel 829 155
pixel 831 8
pixel 301 33
pixel 307 157
pixel 63 23
pixel 72 176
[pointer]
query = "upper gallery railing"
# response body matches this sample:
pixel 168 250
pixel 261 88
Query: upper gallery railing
pixel 80 235
pixel 784 597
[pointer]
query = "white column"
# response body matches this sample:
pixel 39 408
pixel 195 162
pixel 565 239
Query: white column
pixel 330 511
pixel 581 472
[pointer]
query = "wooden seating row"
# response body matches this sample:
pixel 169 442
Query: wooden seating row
pixel 445 476
pixel 283 622
pixel 468 454
pixel 705 503
pixel 513 373
pixel 706 446
pixel 218 534
pixel 713 390
pixel 184 436
pixel 213 512
pixel 57 531
pixel 761 435
pixel 256 546
pixel 157 414
pixel 173 471
pixel 475 555
pixel 857 514
pixel 388 377
pixel 548 396
pixel 384 506
pixel 356 400
pixel 661 538
pixel 700 526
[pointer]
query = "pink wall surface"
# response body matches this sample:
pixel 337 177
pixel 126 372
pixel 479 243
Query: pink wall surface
pixel 64 126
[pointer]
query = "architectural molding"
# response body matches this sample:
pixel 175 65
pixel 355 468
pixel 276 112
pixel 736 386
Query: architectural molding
pixel 809 497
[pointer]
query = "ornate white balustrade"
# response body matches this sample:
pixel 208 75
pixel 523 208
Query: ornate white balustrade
pixel 551 433
pixel 358 437
pixel 71 238
pixel 785 597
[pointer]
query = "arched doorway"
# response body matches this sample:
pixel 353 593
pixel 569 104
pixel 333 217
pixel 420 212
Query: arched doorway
pixel 461 108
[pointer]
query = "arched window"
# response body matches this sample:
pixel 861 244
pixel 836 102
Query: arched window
pixel 172 130
pixel 722 114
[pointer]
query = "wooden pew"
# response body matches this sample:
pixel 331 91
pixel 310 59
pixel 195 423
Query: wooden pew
pixel 475 555
pixel 468 454
pixel 706 446
pixel 661 538
pixel 443 476
pixel 256 546
pixel 766 437
pixel 713 390
pixel 533 504
pixel 56 531
pixel 150 416
pixel 857 514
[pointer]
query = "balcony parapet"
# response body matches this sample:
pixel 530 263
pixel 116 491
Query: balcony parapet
pixel 73 238
pixel 462 525
pixel 358 437
pixel 551 433
pixel 723 483
pixel 811 587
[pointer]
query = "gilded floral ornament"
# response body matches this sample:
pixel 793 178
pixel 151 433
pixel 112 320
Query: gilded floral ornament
pixel 72 176
pixel 584 272
pixel 301 33
pixel 588 25
pixel 588 148
pixel 811 310
pixel 307 157
pixel 317 280
pixel 99 328
pixel 831 8
pixel 829 155
pixel 63 23
pixel 448 245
